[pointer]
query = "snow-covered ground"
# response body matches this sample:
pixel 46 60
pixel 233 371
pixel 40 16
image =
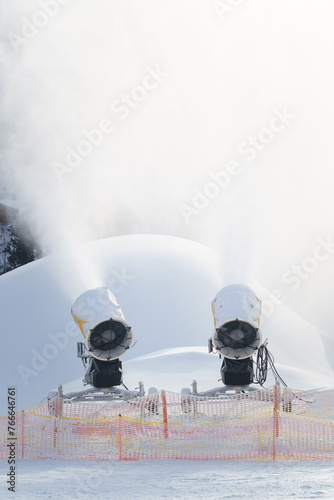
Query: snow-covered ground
pixel 59 480
pixel 210 120
pixel 171 283
pixel 165 286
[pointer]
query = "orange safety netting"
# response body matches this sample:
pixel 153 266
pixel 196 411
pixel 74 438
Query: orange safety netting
pixel 269 424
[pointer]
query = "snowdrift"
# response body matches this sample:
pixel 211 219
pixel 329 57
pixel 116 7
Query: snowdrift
pixel 165 286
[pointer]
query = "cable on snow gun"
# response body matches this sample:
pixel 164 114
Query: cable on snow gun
pixel 237 337
pixel 236 313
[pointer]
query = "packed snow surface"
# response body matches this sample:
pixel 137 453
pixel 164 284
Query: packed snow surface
pixel 229 144
pixel 182 480
pixel 165 286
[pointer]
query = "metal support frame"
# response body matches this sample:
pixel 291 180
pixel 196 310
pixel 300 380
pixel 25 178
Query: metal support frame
pixel 97 394
pixel 227 390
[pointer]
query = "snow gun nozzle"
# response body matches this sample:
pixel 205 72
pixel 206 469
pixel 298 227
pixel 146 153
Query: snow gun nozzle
pixel 101 321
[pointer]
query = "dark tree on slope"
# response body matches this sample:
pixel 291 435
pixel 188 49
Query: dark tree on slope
pixel 21 248
pixel 4 238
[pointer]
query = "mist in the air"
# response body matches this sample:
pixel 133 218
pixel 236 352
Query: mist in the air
pixel 185 118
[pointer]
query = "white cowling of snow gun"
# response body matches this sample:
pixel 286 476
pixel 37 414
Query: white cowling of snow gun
pixel 236 337
pixel 107 336
pixel 236 312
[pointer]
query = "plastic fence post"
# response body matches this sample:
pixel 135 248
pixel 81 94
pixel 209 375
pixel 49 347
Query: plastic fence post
pixel 276 421
pixel 164 412
pixel 55 430
pixel 120 435
pixel 22 434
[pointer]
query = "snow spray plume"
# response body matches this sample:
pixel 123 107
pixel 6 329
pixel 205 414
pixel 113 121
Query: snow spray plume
pixel 117 120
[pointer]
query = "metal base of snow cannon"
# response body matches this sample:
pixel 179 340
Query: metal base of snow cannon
pixel 226 390
pixel 92 394
pixel 229 390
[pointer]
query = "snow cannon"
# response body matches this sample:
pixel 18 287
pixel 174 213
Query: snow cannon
pixel 236 313
pixel 237 336
pixel 107 336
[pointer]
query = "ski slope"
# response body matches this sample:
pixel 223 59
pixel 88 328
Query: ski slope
pixel 165 286
pixel 247 84
pixel 167 301
pixel 179 480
